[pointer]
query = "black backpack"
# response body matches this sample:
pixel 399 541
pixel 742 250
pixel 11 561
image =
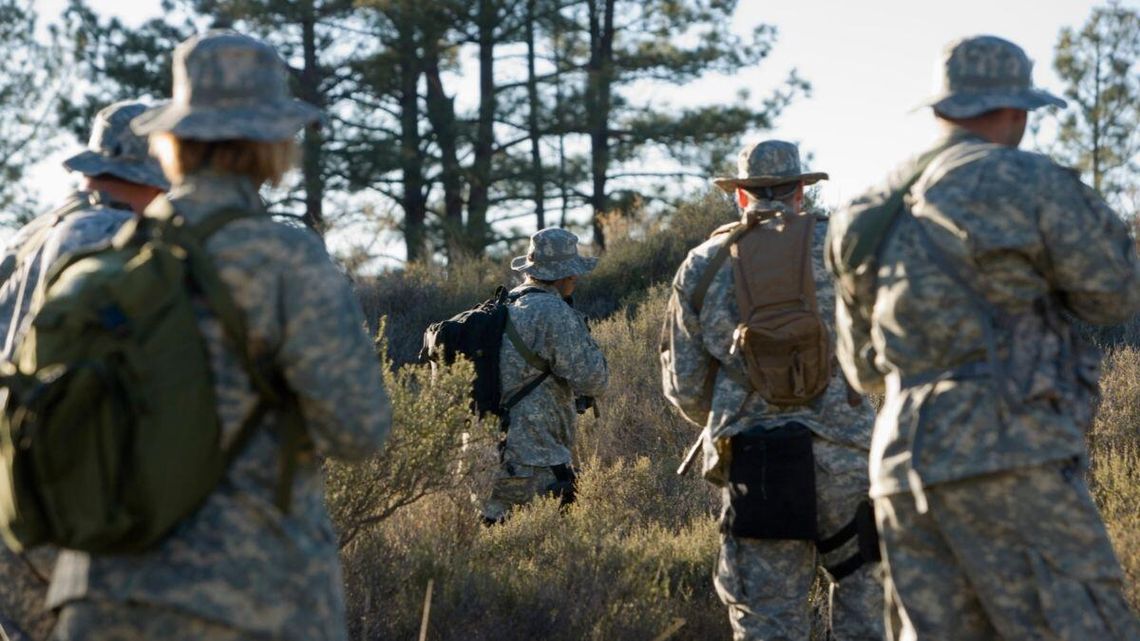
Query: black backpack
pixel 477 334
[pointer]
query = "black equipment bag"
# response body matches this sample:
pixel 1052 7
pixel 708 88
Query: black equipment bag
pixel 771 485
pixel 477 334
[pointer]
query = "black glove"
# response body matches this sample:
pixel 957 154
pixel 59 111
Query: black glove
pixel 582 404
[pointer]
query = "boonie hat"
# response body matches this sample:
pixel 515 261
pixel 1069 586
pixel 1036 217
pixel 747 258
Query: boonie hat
pixel 115 150
pixel 768 163
pixel 553 254
pixel 228 86
pixel 982 73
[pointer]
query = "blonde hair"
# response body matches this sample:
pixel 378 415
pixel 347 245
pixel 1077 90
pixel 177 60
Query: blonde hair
pixel 260 161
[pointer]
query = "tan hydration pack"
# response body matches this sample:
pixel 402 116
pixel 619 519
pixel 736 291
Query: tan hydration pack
pixel 781 336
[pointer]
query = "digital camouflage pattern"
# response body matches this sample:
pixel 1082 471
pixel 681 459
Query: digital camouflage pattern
pixel 84 220
pixel 1039 236
pixel 766 584
pixel 768 163
pixel 228 86
pixel 102 621
pixel 553 255
pixel 982 73
pixel 239 561
pixel 117 151
pixel 1015 555
pixel 690 342
pixel 1037 245
pixel 517 485
pixel 542 425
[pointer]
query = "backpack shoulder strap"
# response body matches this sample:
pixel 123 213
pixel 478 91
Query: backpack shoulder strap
pixel 734 231
pixel 872 244
pixel 272 392
pixel 529 355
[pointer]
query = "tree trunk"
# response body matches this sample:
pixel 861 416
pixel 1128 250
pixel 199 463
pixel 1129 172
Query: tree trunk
pixel 537 173
pixel 441 115
pixel 312 143
pixel 413 200
pixel 598 104
pixel 478 234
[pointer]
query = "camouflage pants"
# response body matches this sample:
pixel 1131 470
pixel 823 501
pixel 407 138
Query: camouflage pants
pixel 516 485
pixel 767 584
pixel 1017 555
pixel 23 616
pixel 105 621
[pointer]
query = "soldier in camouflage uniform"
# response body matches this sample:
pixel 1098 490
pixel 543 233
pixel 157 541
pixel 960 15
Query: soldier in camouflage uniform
pixel 978 458
pixel 766 583
pixel 120 180
pixel 535 455
pixel 241 568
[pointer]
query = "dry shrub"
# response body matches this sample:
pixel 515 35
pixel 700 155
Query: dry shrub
pixel 1114 453
pixel 600 570
pixel 431 423
pixel 642 252
pixel 633 554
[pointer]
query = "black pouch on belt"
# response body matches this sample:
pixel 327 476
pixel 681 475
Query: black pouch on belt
pixel 771 484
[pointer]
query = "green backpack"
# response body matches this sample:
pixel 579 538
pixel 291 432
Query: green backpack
pixel 109 434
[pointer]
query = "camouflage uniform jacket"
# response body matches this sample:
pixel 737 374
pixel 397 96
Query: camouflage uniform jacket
pixel 690 342
pixel 1034 241
pixel 239 560
pixel 83 220
pixel 542 424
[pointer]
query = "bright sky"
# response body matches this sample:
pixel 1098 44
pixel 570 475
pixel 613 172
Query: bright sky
pixel 869 61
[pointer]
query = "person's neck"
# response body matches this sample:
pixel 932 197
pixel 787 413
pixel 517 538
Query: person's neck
pixel 136 197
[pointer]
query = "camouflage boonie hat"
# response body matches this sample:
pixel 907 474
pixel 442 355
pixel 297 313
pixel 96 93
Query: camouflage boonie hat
pixel 983 73
pixel 228 86
pixel 553 254
pixel 115 150
pixel 768 163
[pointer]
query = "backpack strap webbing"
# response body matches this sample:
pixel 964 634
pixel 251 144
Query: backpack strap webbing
pixel 272 393
pixel 702 290
pixel 861 528
pixel 529 355
pixel 715 263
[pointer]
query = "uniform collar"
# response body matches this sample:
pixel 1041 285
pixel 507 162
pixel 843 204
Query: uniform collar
pixel 205 192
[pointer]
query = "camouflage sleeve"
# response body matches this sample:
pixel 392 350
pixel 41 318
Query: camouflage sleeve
pixel 686 366
pixel 328 357
pixel 853 346
pixel 854 349
pixel 574 356
pixel 1091 256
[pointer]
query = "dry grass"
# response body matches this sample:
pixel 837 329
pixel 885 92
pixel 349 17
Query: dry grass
pixel 1114 451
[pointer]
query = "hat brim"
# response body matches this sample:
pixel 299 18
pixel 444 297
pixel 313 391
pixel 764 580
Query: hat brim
pixel 90 163
pixel 964 104
pixel 554 270
pixel 263 122
pixel 730 184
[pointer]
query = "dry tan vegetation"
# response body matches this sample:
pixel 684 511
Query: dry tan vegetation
pixel 1114 453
